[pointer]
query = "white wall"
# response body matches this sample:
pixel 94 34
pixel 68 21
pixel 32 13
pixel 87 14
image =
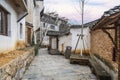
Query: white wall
pixel 46 40
pixel 8 43
pixel 36 19
pixel 54 42
pixel 66 40
pixel 86 39
pixel 23 30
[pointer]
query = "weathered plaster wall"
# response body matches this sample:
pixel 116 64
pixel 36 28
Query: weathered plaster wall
pixel 21 41
pixel 30 6
pixel 15 69
pixel 75 32
pixel 9 42
pixel 65 41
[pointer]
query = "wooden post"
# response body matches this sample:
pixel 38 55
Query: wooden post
pixel 118 45
pixel 57 43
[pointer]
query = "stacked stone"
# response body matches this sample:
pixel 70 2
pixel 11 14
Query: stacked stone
pixel 17 67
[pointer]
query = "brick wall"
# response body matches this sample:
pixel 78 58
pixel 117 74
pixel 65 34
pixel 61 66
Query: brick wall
pixel 102 45
pixel 118 52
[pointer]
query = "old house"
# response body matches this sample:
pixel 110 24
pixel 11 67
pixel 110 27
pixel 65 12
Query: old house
pixel 104 41
pixel 35 10
pixel 75 33
pixel 68 36
pixel 79 44
pixel 12 24
pixel 48 23
pixel 54 35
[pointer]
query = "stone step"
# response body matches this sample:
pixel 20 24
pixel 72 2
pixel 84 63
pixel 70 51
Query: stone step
pixel 54 52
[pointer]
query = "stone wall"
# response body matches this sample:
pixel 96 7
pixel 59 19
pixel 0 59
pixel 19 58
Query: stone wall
pixel 102 46
pixel 15 69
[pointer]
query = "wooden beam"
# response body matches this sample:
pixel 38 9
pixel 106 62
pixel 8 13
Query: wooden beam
pixel 110 36
pixel 107 21
pixel 108 28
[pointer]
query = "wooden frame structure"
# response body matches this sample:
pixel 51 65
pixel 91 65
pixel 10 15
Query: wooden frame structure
pixel 104 24
pixel 112 17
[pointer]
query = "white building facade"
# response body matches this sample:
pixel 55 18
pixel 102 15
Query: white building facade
pixel 12 24
pixel 48 23
pixel 81 44
pixel 35 9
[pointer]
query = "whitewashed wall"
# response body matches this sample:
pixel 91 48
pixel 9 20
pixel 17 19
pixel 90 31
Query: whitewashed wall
pixel 65 40
pixel 23 30
pixel 8 43
pixel 54 42
pixel 86 33
pixel 36 18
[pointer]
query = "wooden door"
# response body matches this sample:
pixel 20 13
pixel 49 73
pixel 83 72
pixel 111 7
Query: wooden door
pixel 57 43
pixel 63 47
pixel 29 35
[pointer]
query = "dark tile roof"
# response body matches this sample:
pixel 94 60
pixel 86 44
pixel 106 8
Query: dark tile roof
pixel 111 12
pixel 53 33
pixel 89 24
pixel 48 19
pixel 58 33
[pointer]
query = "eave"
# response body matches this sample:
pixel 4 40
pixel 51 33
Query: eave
pixel 20 7
pixel 107 20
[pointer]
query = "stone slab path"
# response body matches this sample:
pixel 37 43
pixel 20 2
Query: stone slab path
pixel 56 67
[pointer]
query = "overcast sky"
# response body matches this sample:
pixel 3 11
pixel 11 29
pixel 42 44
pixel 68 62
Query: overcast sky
pixel 70 9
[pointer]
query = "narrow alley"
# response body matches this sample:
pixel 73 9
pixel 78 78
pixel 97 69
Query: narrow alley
pixel 59 39
pixel 56 67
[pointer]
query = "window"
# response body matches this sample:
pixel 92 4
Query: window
pixel 3 22
pixel 52 27
pixel 21 30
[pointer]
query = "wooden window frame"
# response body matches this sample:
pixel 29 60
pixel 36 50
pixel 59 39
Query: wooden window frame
pixel 4 22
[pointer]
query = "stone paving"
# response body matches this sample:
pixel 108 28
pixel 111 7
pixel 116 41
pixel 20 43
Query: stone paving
pixel 56 67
